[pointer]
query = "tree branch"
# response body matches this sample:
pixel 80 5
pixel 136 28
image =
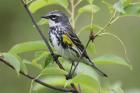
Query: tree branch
pixel 37 80
pixel 72 13
pixel 80 57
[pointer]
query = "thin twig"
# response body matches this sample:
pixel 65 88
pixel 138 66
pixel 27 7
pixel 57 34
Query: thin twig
pixel 31 86
pixel 121 42
pixel 108 23
pixel 74 88
pixel 80 57
pixel 37 80
pixel 79 88
pixel 72 13
pixel 77 3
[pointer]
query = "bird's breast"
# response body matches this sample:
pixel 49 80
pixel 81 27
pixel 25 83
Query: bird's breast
pixel 58 46
pixel 55 40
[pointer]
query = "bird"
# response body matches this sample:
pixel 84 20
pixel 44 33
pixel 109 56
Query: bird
pixel 65 41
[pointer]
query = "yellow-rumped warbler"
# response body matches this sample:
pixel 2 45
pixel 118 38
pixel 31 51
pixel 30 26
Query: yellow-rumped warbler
pixel 65 41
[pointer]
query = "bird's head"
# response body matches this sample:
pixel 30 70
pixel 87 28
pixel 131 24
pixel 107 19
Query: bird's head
pixel 56 18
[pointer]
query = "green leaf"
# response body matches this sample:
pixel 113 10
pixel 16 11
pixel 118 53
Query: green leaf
pixel 48 60
pixel 91 48
pixel 116 88
pixel 41 58
pixel 112 88
pixel 87 84
pixel 87 70
pixel 9 57
pixel 109 6
pixel 38 4
pixel 53 70
pixel 132 10
pixel 54 81
pixel 90 1
pixel 83 69
pixel 88 9
pixel 27 1
pixel 42 22
pixel 27 47
pixel 111 59
pixel 125 2
pixel 86 77
pixel 23 66
pixel 25 61
pixel 125 7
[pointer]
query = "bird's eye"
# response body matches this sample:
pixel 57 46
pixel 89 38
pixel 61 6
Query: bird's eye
pixel 53 17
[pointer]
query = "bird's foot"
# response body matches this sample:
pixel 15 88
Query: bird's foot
pixel 56 56
pixel 69 76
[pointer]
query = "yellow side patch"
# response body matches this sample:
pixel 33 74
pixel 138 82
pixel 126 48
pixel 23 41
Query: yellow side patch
pixel 67 40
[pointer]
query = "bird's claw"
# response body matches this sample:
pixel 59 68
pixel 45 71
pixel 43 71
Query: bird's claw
pixel 56 56
pixel 69 76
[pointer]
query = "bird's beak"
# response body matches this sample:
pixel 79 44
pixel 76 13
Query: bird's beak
pixel 46 17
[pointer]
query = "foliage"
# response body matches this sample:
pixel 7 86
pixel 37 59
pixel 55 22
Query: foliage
pixel 86 79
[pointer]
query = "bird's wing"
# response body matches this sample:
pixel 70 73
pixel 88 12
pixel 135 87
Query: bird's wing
pixel 73 39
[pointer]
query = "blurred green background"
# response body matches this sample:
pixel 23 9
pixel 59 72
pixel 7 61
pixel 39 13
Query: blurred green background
pixel 16 27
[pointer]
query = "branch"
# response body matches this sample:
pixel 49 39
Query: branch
pixel 72 13
pixel 37 80
pixel 77 3
pixel 80 57
pixel 111 20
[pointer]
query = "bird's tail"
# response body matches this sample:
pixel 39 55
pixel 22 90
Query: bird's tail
pixel 96 68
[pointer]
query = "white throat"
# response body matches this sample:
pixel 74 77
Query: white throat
pixel 52 23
